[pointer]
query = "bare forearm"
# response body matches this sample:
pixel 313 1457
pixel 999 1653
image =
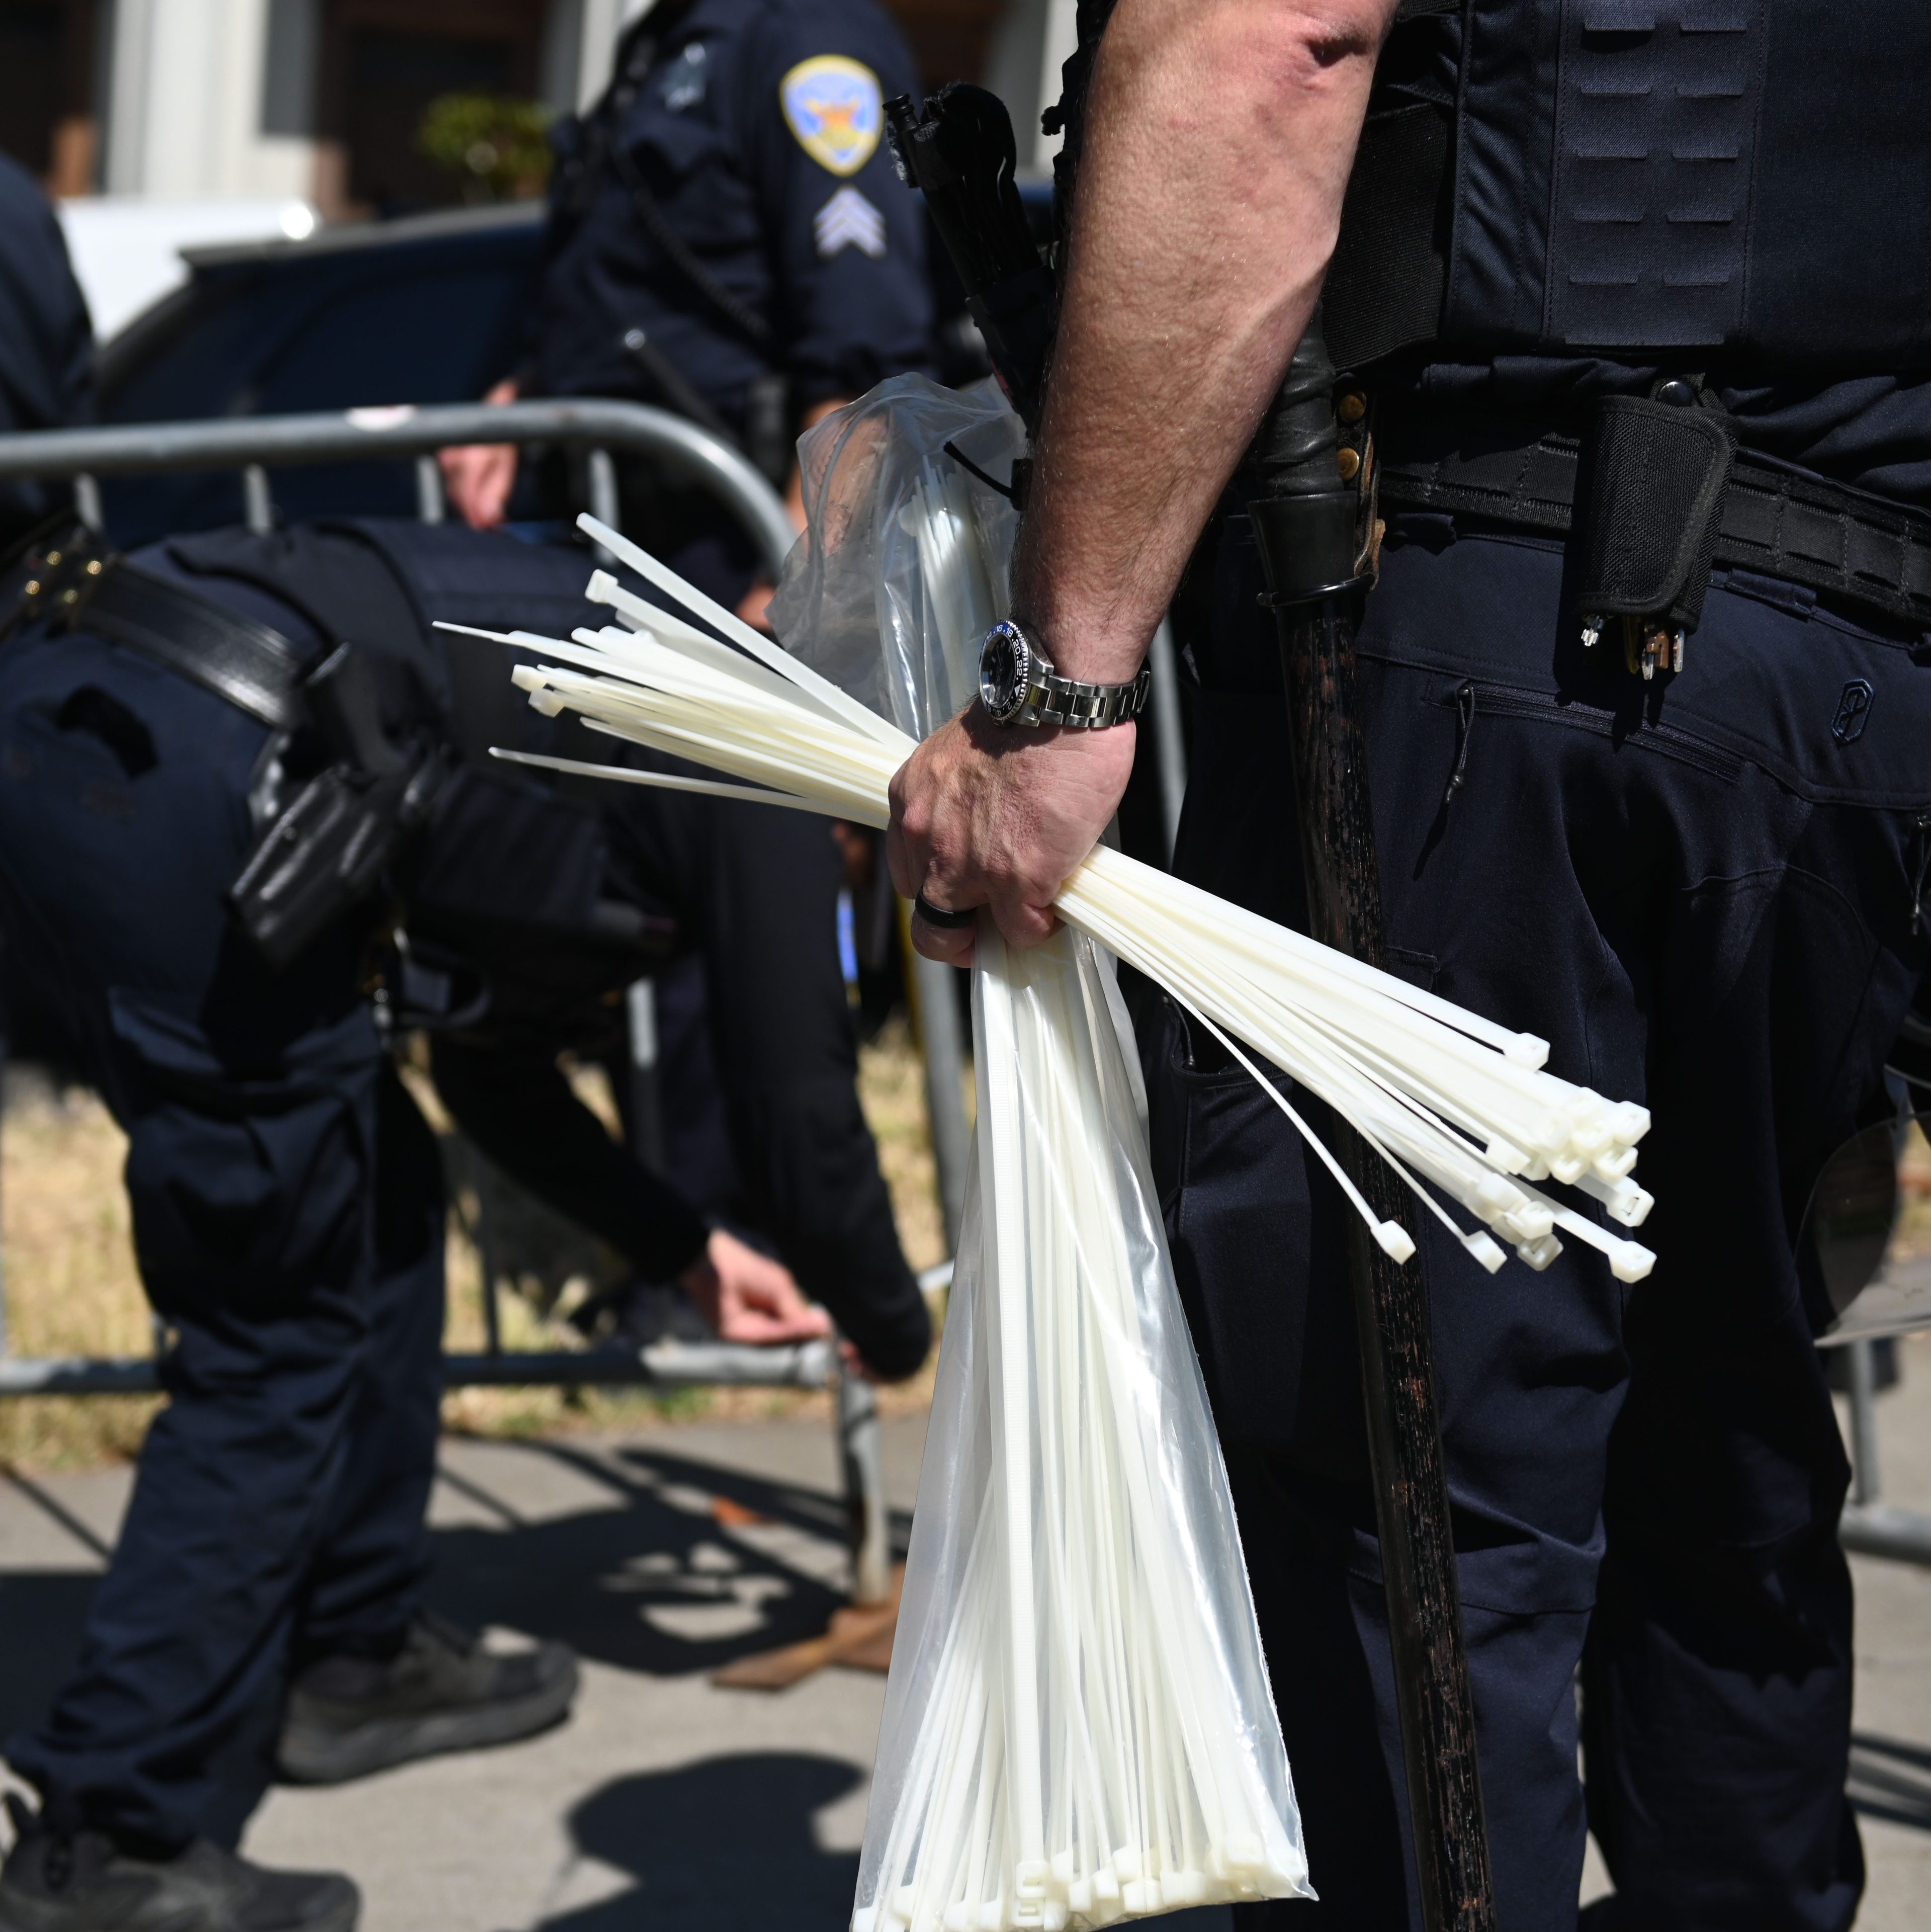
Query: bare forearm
pixel 1219 140
pixel 1219 136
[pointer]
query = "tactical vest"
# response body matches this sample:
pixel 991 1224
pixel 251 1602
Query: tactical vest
pixel 1742 180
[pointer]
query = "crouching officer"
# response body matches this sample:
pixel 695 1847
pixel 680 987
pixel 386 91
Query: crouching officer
pixel 288 1221
pixel 200 793
pixel 1629 304
pixel 727 240
pixel 540 901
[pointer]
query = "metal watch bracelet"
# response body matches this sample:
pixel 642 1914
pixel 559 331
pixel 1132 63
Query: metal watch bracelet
pixel 1018 686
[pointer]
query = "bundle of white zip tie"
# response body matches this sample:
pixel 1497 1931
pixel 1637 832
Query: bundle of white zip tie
pixel 1078 1727
pixel 1456 1104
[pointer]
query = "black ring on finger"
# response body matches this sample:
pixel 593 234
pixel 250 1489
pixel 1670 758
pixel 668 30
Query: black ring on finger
pixel 938 915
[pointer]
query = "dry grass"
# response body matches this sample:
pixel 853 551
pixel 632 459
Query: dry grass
pixel 1913 1174
pixel 71 1287
pixel 892 1088
pixel 70 1282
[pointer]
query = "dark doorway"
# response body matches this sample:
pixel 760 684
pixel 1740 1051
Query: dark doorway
pixel 947 38
pixel 30 36
pixel 384 60
pixel 392 78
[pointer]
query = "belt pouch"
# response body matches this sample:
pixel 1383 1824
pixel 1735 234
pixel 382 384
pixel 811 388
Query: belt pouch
pixel 1649 498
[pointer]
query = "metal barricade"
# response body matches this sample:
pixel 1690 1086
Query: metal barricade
pixel 257 445
pixel 1869 1525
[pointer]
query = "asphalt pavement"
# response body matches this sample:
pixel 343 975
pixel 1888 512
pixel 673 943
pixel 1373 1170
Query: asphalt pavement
pixel 667 1805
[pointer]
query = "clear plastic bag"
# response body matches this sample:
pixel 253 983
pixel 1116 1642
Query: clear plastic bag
pixel 1078 1726
pixel 890 518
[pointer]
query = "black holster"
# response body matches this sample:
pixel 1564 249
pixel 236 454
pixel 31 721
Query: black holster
pixel 327 850
pixel 1649 500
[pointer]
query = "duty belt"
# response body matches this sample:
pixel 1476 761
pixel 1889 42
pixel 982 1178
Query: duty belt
pixel 326 848
pixel 253 667
pixel 1772 519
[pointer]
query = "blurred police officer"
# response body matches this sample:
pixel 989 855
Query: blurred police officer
pixel 46 342
pixel 1689 847
pixel 47 381
pixel 727 240
pixel 158 717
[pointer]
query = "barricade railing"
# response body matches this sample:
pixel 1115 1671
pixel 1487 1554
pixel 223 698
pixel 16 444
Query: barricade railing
pixel 601 430
pixel 1869 1525
pixel 257 445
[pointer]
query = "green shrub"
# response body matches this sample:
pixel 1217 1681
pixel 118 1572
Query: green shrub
pixel 494 144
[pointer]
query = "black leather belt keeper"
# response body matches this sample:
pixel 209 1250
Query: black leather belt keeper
pixel 1306 543
pixel 1657 530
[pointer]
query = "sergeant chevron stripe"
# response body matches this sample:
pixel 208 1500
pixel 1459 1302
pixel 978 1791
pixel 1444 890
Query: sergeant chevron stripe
pixel 848 220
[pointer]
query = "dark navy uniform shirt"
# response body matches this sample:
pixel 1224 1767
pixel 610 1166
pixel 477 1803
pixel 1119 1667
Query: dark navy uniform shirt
pixel 46 342
pixel 754 129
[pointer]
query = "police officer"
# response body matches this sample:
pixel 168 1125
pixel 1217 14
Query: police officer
pixel 727 240
pixel 560 894
pixel 46 342
pixel 288 1220
pixel 1641 304
pixel 47 381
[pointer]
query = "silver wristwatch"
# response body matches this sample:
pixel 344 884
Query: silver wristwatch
pixel 1018 686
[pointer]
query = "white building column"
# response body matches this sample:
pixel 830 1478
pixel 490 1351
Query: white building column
pixel 1030 44
pixel 604 21
pixel 186 97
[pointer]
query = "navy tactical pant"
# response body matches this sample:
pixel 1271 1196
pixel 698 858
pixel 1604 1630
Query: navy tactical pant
pixel 1701 892
pixel 287 1220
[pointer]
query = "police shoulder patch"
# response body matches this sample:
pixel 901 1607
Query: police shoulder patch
pixel 836 107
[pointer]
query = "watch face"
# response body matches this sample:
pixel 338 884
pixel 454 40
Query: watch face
pixel 1005 665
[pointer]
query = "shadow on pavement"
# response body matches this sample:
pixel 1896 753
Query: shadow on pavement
pixel 726 1846
pixel 656 1585
pixel 730 1845
pixel 1891 1780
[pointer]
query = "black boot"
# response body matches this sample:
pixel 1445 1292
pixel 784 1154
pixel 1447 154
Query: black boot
pixel 348 1716
pixel 55 1882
